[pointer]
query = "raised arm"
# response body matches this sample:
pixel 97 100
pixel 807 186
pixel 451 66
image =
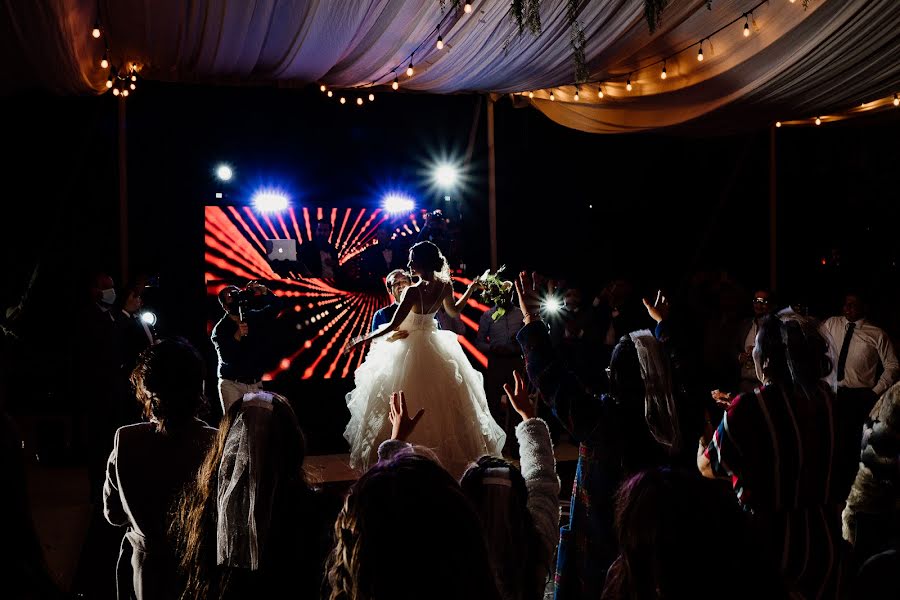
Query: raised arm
pixel 454 308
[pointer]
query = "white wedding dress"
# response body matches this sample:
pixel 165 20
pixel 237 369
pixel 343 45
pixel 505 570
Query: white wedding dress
pixel 429 366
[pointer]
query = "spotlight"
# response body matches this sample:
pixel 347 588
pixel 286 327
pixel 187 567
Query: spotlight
pixel 446 175
pixel 148 317
pixel 552 305
pixel 269 200
pixel 396 203
pixel 224 172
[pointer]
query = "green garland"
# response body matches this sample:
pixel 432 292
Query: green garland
pixel 527 14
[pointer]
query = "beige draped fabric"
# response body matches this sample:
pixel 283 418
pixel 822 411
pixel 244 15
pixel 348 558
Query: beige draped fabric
pixel 797 63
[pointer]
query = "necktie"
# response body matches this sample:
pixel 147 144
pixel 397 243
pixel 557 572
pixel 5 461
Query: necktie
pixel 845 348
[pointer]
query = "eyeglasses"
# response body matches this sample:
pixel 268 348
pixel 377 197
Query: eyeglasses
pixel 760 301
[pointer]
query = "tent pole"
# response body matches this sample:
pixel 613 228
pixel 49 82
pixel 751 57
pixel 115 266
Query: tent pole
pixel 123 196
pixel 492 183
pixel 773 213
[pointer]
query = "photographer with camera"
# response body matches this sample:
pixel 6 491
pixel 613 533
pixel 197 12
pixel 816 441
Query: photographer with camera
pixel 238 339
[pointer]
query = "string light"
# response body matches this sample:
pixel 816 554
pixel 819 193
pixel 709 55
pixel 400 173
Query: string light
pixel 818 121
pixel 700 53
pixel 104 64
pixel 628 84
pixel 124 93
pixel 96 31
pixel 552 97
pixel 330 93
pixel 440 43
pixel 747 26
pixel 343 100
pixel 467 8
pixel 134 77
pixel 531 94
pixel 409 70
pixel 777 123
pixel 116 92
pixel 600 92
pixel 359 101
pixel 663 75
pixel 108 83
pixel 133 86
pixel 371 97
pixel 896 100
pixel 396 84
pixel 576 97
pixel 322 88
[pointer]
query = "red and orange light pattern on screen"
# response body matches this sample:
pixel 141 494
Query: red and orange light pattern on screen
pixel 325 317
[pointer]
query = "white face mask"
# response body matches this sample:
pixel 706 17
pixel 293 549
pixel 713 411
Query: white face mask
pixel 108 296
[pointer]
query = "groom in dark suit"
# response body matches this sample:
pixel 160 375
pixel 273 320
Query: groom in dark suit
pixel 395 282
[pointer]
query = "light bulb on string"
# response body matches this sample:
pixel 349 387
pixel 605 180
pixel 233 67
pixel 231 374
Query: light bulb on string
pixel 440 43
pixel 359 101
pixel 116 92
pixel 747 26
pixel 818 121
pixel 330 93
pixel 125 93
pixel 467 8
pixel 576 97
pixel 343 100
pixel 409 70
pixel 95 32
pixel 371 97
pixel 628 85
pixel 108 83
pixel 322 88
pixel 599 92
pixel 663 74
pixel 700 53
pixel 531 94
pixel 134 77
pixel 896 100
pixel 396 84
pixel 133 87
pixel 777 123
pixel 104 64
pixel 552 97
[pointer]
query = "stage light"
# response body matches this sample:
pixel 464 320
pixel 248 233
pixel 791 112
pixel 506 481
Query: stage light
pixel 446 175
pixel 148 317
pixel 440 43
pixel 224 172
pixel 396 203
pixel 269 200
pixel 467 8
pixel 551 304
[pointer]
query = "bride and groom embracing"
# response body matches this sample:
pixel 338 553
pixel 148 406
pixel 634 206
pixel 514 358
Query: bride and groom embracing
pixel 411 354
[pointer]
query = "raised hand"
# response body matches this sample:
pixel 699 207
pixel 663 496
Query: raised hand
pixel 659 310
pixel 519 399
pixel 529 297
pixel 401 425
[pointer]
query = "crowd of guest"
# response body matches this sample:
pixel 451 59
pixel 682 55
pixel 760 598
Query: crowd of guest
pixel 763 461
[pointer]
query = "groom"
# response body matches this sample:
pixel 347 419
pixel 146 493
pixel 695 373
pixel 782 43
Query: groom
pixel 395 282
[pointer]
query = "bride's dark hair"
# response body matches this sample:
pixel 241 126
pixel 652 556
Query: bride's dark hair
pixel 429 257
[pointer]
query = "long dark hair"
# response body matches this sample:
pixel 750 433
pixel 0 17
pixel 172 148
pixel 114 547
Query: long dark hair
pixel 168 382
pixel 194 524
pixel 429 257
pixel 412 502
pixel 513 542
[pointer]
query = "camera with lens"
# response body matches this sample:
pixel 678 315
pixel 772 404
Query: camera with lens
pixel 246 298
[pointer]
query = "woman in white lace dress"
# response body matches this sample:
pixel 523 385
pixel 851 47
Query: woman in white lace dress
pixel 430 367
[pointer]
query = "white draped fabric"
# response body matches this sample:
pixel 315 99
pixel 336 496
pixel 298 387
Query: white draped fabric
pixel 797 63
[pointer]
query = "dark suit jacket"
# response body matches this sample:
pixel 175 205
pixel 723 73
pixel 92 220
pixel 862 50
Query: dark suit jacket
pixel 384 316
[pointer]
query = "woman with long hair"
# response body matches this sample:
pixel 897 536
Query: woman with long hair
pixel 430 366
pixel 251 526
pixel 790 456
pixel 152 462
pixel 407 532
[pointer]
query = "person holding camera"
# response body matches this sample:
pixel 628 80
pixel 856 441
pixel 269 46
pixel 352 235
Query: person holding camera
pixel 238 340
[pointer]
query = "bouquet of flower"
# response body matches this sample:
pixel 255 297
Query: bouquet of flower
pixel 496 290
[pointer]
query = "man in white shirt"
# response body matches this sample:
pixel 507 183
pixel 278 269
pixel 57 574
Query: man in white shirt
pixel 860 351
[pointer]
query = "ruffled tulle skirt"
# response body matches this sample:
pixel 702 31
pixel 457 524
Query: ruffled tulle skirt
pixel 434 373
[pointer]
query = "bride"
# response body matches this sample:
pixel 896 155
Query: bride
pixel 429 366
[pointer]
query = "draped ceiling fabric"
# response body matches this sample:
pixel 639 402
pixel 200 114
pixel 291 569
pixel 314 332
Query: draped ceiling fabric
pixel 797 63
